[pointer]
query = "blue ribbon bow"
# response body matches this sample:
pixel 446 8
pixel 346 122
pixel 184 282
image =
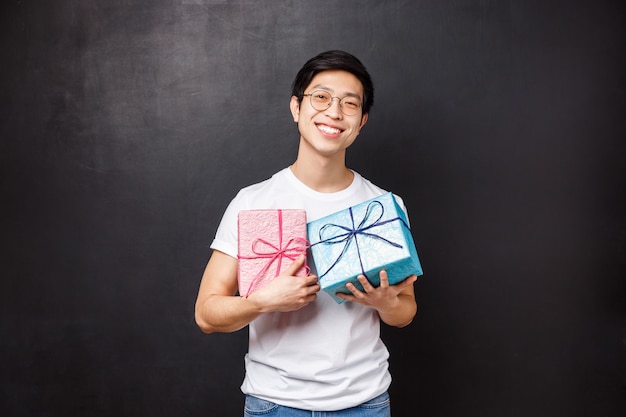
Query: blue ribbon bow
pixel 351 233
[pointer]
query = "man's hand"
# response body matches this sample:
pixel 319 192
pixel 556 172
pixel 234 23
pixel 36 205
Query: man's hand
pixel 287 292
pixel 395 303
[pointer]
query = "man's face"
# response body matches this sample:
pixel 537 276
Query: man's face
pixel 329 132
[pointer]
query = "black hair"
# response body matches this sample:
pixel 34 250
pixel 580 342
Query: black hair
pixel 334 60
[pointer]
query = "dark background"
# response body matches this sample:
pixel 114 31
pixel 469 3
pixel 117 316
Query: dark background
pixel 127 126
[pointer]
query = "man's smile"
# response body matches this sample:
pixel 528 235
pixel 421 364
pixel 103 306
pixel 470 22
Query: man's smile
pixel 329 130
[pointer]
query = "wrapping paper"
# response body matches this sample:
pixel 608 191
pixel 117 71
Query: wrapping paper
pixel 363 239
pixel 268 242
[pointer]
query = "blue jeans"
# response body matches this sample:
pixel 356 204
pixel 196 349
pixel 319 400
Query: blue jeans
pixel 376 407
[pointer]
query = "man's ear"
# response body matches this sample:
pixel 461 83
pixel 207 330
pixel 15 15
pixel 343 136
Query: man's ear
pixel 294 106
pixel 363 120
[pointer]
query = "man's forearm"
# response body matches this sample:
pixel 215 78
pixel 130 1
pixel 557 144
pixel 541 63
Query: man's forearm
pixel 224 313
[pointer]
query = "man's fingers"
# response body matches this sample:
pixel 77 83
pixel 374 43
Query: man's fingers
pixel 384 279
pixel 365 283
pixel 409 281
pixel 295 266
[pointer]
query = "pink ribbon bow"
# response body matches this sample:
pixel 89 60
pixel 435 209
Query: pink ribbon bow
pixel 276 253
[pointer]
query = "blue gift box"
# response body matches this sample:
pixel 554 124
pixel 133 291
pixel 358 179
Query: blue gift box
pixel 363 240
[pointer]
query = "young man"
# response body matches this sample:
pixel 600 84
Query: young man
pixel 307 352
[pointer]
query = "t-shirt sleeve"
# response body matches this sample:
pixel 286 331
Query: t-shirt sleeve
pixel 403 207
pixel 226 235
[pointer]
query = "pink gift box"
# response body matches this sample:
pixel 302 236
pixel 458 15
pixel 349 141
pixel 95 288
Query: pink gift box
pixel 269 241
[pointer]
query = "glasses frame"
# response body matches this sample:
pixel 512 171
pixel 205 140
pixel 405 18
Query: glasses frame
pixel 330 103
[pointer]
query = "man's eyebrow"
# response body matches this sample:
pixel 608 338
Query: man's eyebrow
pixel 330 90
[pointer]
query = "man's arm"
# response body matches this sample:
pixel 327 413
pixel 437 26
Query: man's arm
pixel 219 309
pixel 395 304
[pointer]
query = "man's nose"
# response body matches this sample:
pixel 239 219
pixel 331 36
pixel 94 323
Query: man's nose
pixel 334 110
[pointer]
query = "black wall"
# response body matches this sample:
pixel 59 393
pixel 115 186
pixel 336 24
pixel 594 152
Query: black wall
pixel 127 126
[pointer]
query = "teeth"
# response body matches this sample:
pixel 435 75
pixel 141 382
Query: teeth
pixel 328 129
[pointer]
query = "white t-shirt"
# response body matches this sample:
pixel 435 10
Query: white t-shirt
pixel 326 356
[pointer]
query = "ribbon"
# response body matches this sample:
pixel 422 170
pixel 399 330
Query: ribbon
pixel 351 233
pixel 276 253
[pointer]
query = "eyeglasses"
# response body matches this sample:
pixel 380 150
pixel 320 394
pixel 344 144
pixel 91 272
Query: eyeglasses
pixel 322 100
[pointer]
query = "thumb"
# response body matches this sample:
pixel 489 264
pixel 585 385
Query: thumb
pixel 295 266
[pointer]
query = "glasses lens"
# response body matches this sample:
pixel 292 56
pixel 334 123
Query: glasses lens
pixel 320 100
pixel 350 105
